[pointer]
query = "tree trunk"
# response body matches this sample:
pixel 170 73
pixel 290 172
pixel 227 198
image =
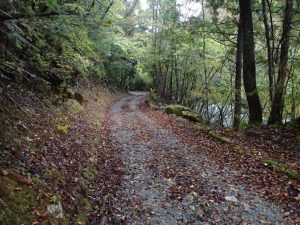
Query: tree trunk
pixel 278 100
pixel 176 76
pixel 171 79
pixel 249 71
pixel 206 100
pixel 154 31
pixel 269 50
pixel 293 108
pixel 165 80
pixel 238 77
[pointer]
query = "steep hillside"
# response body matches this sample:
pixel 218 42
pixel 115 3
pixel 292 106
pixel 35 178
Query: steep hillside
pixel 55 158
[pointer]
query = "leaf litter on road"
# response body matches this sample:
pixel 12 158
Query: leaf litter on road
pixel 172 176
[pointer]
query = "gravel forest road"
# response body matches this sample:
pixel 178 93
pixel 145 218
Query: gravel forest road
pixel 167 183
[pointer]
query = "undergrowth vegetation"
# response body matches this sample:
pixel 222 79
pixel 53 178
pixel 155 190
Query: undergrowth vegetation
pixel 57 43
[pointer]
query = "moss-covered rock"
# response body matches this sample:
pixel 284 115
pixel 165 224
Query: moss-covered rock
pixel 183 111
pixel 176 109
pixel 201 128
pixel 192 116
pixel 74 106
pixel 219 138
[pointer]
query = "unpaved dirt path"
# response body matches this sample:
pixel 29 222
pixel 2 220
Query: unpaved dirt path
pixel 166 182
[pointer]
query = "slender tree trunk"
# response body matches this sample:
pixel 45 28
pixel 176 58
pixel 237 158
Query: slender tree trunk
pixel 249 71
pixel 183 84
pixel 238 81
pixel 154 31
pixel 206 102
pixel 272 37
pixel 176 76
pixel 278 99
pixel 293 108
pixel 165 82
pixel 162 78
pixel 171 79
pixel 269 50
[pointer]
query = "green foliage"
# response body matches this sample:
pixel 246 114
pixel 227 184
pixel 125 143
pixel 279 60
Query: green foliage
pixel 193 58
pixel 151 98
pixel 141 81
pixel 74 44
pixel 75 8
pixel 63 128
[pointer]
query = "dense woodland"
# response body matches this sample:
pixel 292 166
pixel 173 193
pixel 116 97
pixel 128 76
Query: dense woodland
pixel 230 60
pixel 231 63
pixel 61 42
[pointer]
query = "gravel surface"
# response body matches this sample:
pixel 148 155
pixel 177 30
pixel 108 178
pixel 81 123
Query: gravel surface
pixel 166 182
